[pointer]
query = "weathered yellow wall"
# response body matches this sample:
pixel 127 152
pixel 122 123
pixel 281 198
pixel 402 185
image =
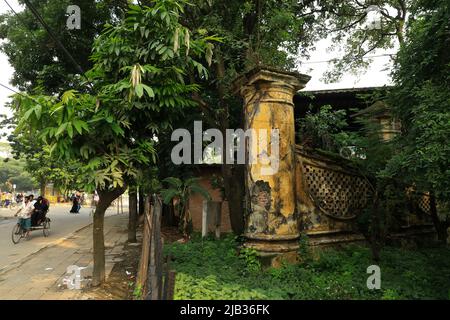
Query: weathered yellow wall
pixel 313 221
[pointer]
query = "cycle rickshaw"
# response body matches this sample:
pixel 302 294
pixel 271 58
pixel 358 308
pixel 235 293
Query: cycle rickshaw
pixel 43 224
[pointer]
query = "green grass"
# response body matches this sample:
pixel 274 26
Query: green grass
pixel 209 269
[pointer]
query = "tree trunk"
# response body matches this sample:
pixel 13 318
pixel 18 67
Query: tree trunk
pixel 233 175
pixel 105 199
pixel 233 179
pixel 375 230
pixel 441 227
pixel 43 187
pixel 168 215
pixel 98 275
pixel 141 201
pixel 133 214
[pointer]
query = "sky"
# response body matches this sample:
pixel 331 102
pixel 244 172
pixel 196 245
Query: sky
pixel 376 75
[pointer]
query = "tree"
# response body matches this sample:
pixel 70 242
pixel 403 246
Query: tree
pixel 12 171
pixel 421 100
pixel 417 159
pixel 274 33
pixel 133 214
pixel 39 162
pixel 139 76
pixel 41 62
pixel 181 191
pixel 253 32
pixel 45 169
pixel 326 129
pixel 43 68
pixel 352 30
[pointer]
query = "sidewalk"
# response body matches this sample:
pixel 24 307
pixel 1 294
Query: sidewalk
pixel 41 275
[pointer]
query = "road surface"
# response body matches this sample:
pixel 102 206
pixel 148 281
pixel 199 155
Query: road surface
pixel 63 224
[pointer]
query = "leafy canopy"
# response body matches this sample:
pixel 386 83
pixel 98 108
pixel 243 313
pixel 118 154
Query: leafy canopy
pixel 139 76
pixel 421 100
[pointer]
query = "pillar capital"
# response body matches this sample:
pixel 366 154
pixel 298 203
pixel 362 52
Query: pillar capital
pixel 270 79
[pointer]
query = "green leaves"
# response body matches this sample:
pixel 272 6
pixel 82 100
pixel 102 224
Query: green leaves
pixel 80 125
pixel 86 151
pixel 70 130
pixel 168 195
pixel 38 111
pixel 174 182
pixel 201 70
pixel 141 68
pixel 326 130
pixel 139 90
pixel 33 108
pixel 421 100
pixel 27 114
pixel 217 269
pixel 68 96
pixel 117 129
pixel 197 189
pixel 181 190
pixel 68 127
pixel 149 91
pixel 61 129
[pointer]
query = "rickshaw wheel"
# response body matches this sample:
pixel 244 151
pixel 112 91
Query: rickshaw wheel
pixel 46 229
pixel 17 234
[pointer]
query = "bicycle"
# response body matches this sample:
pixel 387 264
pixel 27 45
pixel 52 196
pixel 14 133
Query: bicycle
pixel 19 233
pixel 13 205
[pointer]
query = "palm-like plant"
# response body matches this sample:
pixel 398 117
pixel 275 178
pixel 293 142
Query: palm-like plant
pixel 181 191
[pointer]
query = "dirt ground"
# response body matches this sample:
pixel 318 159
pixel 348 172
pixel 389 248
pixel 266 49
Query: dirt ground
pixel 120 284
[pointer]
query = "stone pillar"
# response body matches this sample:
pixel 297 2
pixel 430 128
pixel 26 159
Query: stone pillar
pixel 272 222
pixel 212 216
pixel 390 128
pixel 380 113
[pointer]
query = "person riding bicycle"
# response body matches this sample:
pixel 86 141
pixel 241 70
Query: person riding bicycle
pixel 8 199
pixel 76 203
pixel 2 198
pixel 24 214
pixel 40 209
pixel 19 198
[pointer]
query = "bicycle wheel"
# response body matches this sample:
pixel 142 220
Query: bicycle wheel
pixel 17 234
pixel 46 225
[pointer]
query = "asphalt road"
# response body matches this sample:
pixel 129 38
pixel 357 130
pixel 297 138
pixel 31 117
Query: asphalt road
pixel 62 225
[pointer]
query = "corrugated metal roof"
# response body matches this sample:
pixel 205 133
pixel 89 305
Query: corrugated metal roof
pixel 345 90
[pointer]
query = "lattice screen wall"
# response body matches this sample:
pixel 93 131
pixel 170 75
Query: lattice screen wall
pixel 340 195
pixel 424 203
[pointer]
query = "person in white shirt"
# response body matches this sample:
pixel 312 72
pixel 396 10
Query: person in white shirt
pixel 32 200
pixel 24 214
